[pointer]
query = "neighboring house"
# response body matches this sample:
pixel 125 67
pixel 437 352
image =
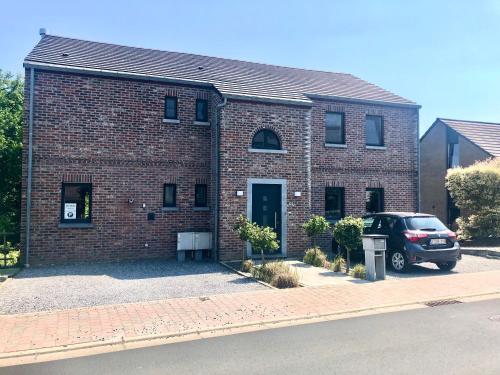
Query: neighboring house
pixel 131 146
pixel 448 144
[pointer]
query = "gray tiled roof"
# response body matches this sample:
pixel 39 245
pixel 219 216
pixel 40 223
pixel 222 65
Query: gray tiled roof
pixel 231 77
pixel 484 134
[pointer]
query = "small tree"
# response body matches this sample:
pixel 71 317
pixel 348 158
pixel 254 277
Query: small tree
pixel 315 226
pixel 244 228
pixel 260 238
pixel 347 232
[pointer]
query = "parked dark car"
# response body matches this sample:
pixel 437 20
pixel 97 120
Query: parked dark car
pixel 413 238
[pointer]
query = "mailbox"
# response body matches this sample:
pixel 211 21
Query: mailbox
pixel 374 246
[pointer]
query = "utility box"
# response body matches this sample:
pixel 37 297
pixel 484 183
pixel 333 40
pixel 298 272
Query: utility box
pixel 197 241
pixel 374 246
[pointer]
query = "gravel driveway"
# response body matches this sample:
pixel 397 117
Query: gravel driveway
pixel 69 286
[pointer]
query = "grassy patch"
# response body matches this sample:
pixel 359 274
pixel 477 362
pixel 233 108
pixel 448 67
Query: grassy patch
pixel 278 274
pixel 315 257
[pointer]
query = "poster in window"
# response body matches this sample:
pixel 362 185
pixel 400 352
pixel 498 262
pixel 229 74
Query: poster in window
pixel 70 211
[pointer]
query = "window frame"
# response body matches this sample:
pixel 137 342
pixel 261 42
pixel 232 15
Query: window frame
pixel 382 138
pixel 342 202
pixel 266 131
pixel 381 199
pixel 62 220
pixel 176 101
pixel 174 195
pixel 205 112
pixel 196 202
pixel 342 128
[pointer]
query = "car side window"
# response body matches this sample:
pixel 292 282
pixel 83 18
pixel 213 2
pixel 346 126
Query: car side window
pixel 375 228
pixel 367 224
pixel 399 226
pixel 387 224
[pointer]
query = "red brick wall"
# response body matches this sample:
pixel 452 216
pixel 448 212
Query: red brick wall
pixel 111 131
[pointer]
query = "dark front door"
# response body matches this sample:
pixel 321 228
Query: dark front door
pixel 266 207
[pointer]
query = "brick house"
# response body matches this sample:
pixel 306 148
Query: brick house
pixel 131 146
pixel 448 144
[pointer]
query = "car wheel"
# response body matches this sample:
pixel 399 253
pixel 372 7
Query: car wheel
pixel 448 266
pixel 398 261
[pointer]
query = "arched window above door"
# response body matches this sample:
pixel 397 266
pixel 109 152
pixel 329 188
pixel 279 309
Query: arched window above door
pixel 266 139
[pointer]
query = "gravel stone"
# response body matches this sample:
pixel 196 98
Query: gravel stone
pixel 82 285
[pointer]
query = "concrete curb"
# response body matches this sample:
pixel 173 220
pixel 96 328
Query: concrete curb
pixel 247 275
pixel 136 339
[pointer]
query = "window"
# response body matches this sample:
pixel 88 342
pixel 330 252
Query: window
pixel 453 155
pixel 374 200
pixel 201 110
pixel 334 203
pixel 334 128
pixel 76 203
pixel 374 130
pixel 171 107
pixel 200 195
pixel 266 139
pixel 169 195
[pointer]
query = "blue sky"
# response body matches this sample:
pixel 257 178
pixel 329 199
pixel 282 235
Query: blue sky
pixel 445 55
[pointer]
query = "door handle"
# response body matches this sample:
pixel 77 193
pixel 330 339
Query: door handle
pixel 275 220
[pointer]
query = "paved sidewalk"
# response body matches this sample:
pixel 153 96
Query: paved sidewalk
pixel 99 324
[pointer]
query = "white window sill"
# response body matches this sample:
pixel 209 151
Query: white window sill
pixel 171 120
pixel 336 145
pixel 258 150
pixel 376 148
pixel 75 225
pixel 170 209
pixel 202 123
pixel 201 208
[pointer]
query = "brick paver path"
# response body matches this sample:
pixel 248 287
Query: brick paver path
pixel 113 322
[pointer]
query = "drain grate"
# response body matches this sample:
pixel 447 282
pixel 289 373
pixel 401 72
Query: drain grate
pixel 442 302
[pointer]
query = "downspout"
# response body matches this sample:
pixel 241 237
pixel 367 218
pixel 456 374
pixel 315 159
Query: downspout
pixel 418 161
pixel 217 177
pixel 30 167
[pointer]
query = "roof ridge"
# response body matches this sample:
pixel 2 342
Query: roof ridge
pixel 201 55
pixel 470 121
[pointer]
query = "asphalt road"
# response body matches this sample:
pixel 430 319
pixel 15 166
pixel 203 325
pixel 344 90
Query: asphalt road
pixel 452 339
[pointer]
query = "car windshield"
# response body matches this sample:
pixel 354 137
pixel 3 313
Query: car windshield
pixel 428 223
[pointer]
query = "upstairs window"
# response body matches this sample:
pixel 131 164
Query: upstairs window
pixel 200 195
pixel 374 200
pixel 201 110
pixel 266 139
pixel 171 107
pixel 76 203
pixel 334 203
pixel 453 149
pixel 334 128
pixel 374 130
pixel 169 195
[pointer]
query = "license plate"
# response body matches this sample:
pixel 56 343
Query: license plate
pixel 438 241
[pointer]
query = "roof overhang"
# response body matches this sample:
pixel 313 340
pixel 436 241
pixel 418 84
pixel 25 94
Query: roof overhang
pixel 362 101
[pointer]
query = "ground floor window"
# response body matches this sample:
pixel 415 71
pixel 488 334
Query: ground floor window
pixel 334 203
pixel 169 195
pixel 76 204
pixel 374 200
pixel 200 195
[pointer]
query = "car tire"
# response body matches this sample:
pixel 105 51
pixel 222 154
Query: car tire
pixel 447 266
pixel 398 261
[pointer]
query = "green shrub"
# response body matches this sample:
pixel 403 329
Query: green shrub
pixel 315 257
pixel 347 232
pixel 359 271
pixel 286 280
pixel 338 264
pixel 246 265
pixel 476 191
pixel 315 226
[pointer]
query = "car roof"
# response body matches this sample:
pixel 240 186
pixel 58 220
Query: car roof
pixel 402 214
